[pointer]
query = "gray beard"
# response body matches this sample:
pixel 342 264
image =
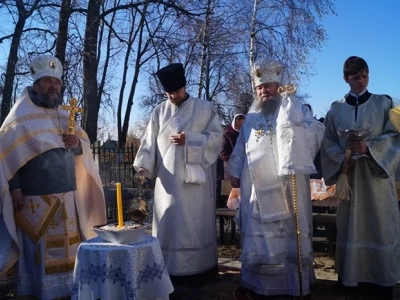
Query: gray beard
pixel 51 103
pixel 269 107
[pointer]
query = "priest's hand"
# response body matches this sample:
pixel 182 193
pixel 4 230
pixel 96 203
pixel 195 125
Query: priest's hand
pixel 359 147
pixel 178 139
pixel 235 182
pixel 17 199
pixel 142 171
pixel 71 141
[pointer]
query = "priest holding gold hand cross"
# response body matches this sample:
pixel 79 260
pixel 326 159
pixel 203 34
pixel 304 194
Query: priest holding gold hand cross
pixel 70 139
pixel 51 190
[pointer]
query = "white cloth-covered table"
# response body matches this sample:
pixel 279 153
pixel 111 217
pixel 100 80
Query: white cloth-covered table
pixel 113 271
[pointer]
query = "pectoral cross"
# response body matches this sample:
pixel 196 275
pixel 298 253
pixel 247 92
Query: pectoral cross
pixel 73 109
pixel 32 206
pixel 260 132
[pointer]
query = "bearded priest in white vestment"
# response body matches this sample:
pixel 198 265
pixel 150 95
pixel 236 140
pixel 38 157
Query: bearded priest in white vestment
pixel 179 149
pixel 51 191
pixel 279 138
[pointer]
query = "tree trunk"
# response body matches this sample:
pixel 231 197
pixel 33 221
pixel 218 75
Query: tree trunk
pixel 253 40
pixel 62 35
pixel 204 51
pixel 208 76
pixel 142 47
pixel 12 62
pixel 91 99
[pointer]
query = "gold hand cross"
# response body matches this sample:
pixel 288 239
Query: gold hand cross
pixel 73 109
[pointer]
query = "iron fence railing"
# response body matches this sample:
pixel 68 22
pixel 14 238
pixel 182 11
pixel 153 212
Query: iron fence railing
pixel 115 164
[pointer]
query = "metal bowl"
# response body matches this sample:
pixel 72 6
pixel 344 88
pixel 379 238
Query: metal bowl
pixel 125 235
pixel 355 134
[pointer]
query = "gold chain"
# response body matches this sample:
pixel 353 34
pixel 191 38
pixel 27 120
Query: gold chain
pixel 298 237
pixel 60 131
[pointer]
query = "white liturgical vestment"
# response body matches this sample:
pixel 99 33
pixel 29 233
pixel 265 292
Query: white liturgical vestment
pixel 368 225
pixel 184 197
pixel 264 159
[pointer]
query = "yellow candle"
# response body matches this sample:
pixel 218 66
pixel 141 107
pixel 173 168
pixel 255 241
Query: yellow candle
pixel 119 206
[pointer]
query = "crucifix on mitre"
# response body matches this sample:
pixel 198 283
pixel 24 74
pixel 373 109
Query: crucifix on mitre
pixel 73 109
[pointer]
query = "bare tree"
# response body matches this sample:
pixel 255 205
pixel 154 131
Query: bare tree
pixel 142 48
pixel 215 49
pixel 253 38
pixel 62 35
pixel 205 49
pixel 139 128
pixel 212 38
pixel 24 12
pixel 90 63
pixel 286 31
pixel 90 68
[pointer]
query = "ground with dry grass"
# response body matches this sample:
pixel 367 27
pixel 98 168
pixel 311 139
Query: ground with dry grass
pixel 324 264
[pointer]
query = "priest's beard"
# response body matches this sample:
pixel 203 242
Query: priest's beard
pixel 270 106
pixel 52 101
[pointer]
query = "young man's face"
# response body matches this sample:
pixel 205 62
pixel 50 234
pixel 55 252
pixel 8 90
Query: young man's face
pixel 358 82
pixel 178 96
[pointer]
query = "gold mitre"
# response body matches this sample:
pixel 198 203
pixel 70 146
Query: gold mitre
pixel 394 117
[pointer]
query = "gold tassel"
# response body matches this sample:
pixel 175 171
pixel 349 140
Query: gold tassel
pixel 37 254
pixel 343 189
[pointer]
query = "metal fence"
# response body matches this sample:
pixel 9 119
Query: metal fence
pixel 115 164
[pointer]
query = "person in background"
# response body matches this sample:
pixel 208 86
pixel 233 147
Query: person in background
pixel 368 224
pixel 228 143
pixel 230 136
pixel 51 190
pixel 261 164
pixel 179 149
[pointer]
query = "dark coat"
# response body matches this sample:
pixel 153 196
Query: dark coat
pixel 228 143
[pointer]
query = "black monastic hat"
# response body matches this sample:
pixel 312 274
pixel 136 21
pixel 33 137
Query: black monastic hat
pixel 172 77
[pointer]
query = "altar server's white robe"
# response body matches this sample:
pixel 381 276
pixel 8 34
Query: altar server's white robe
pixel 184 213
pixel 368 226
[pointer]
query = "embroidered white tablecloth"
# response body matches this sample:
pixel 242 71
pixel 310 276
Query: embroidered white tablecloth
pixel 110 271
